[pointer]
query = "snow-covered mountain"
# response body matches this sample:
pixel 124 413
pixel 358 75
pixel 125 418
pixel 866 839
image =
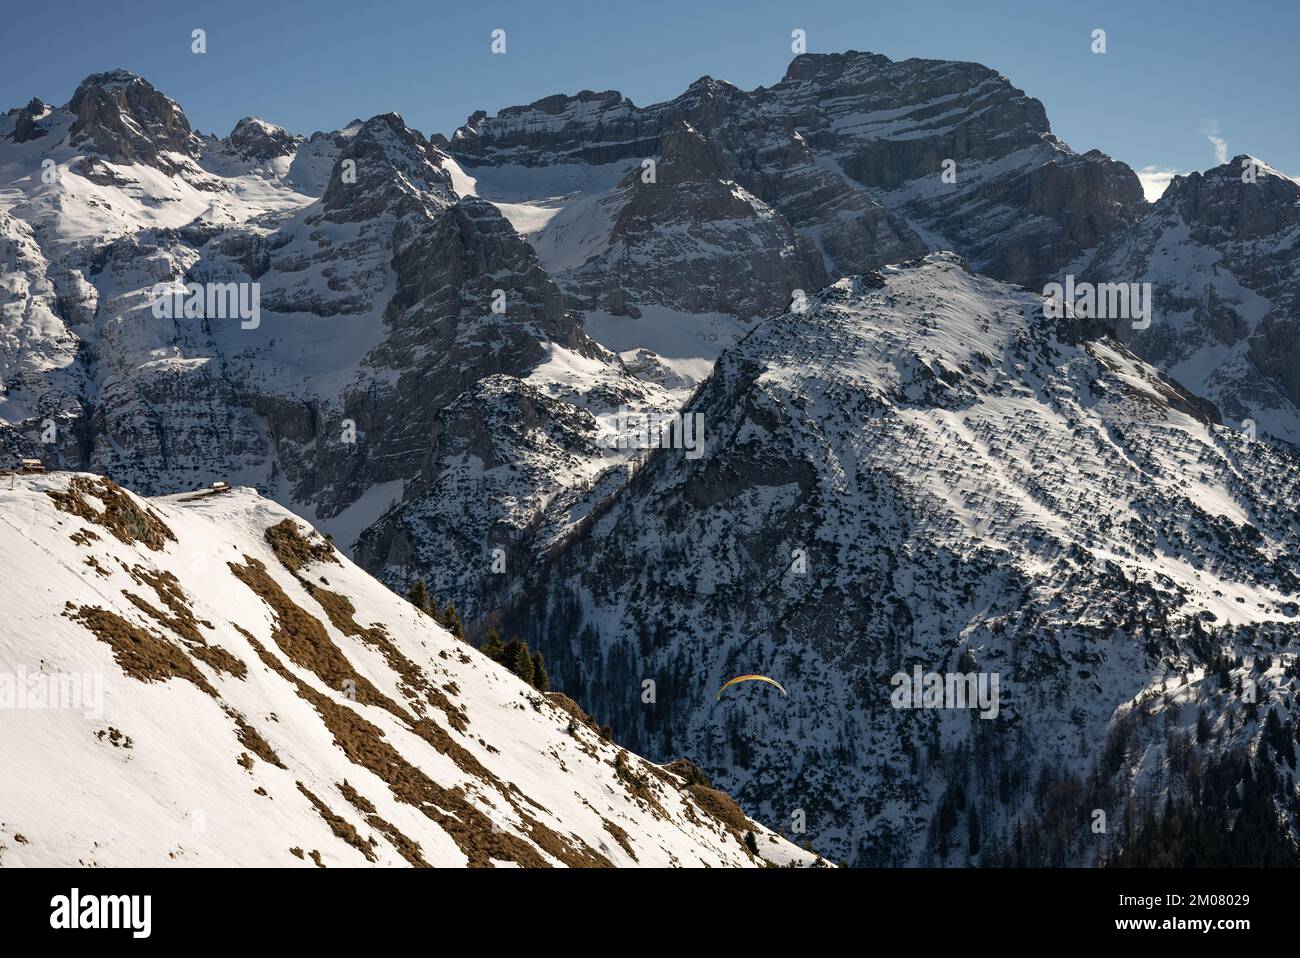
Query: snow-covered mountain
pixel 922 471
pixel 446 333
pixel 385 300
pixel 1222 252
pixel 204 680
pixel 837 169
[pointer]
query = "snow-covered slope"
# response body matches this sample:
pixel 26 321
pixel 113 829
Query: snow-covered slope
pixel 249 697
pixel 923 470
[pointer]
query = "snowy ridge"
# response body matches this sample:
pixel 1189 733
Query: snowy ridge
pixel 265 702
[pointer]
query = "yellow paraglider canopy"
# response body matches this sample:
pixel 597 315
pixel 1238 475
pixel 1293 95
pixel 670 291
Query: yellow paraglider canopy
pixel 750 678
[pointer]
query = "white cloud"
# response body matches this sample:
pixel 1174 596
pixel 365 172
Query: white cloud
pixel 1211 130
pixel 1155 180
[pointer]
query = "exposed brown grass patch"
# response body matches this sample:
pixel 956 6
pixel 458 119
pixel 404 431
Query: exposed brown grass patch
pixel 355 798
pixel 294 553
pixel 340 826
pixel 301 637
pixel 574 709
pixel 251 739
pixel 220 660
pixel 294 550
pixel 116 737
pixel 121 516
pixel 620 836
pixel 138 652
pixel 721 806
pixel 168 589
pixel 365 745
pixel 342 614
pixel 407 847
pixel 636 782
pixel 687 773
pixel 181 621
pixel 304 640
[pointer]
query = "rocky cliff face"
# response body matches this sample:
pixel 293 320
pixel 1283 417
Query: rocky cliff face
pixel 381 301
pixel 1022 202
pixel 123 119
pixel 848 151
pixel 761 147
pixel 255 139
pixel 693 238
pixel 1221 249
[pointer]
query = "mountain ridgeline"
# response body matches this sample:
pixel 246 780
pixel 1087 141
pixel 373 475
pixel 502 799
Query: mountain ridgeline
pixel 911 466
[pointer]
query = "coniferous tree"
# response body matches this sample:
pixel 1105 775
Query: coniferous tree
pixel 518 660
pixel 493 647
pixel 418 596
pixel 1279 739
pixel 451 621
pixel 541 681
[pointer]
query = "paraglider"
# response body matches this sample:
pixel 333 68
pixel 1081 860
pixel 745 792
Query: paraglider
pixel 750 678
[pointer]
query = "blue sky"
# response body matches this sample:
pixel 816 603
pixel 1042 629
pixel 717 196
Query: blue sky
pixel 1176 72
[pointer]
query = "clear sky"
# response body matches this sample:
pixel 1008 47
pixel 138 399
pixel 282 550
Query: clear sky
pixel 1177 75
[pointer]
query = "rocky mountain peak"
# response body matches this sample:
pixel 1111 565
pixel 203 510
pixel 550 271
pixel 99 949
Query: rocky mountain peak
pixel 27 121
pixel 383 160
pixel 808 66
pixel 583 127
pixel 685 154
pixel 256 139
pixel 707 86
pixel 124 119
pixel 1245 198
pixel 560 103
